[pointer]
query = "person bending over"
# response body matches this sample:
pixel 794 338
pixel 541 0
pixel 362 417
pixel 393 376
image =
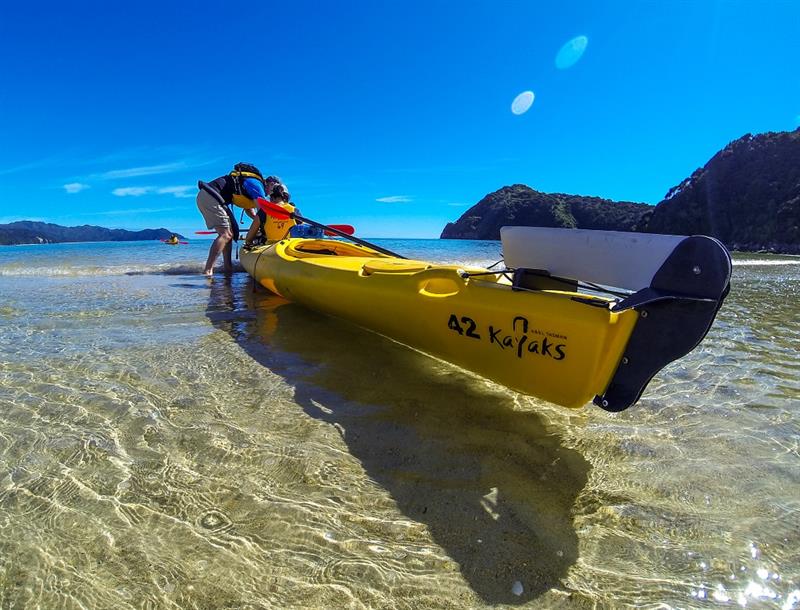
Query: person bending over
pixel 241 187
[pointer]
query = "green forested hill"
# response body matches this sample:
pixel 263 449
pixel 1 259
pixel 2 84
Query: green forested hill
pixel 747 196
pixel 30 232
pixel 521 205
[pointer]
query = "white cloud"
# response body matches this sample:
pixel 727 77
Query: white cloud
pixel 180 192
pixel 458 205
pixel 394 199
pixel 148 170
pixel 132 191
pixel 75 187
pixel 27 166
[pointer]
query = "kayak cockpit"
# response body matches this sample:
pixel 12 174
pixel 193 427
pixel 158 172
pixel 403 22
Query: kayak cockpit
pixel 309 248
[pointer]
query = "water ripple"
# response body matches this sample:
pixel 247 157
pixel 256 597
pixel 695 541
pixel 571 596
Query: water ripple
pixel 174 444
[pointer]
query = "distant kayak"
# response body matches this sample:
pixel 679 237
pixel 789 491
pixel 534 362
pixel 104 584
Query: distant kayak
pixel 522 327
pixel 171 242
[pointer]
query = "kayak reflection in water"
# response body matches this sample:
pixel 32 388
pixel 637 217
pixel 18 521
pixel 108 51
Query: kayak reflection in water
pixel 467 470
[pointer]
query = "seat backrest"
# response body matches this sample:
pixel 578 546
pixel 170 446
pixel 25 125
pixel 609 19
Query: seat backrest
pixel 611 258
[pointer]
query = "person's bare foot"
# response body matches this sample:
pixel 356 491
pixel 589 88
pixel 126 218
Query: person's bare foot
pixel 208 272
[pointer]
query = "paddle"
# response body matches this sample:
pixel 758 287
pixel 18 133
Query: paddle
pixel 349 229
pixel 173 243
pixel 277 211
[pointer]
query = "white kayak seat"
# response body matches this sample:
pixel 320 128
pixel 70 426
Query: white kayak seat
pixel 610 258
pixel 654 267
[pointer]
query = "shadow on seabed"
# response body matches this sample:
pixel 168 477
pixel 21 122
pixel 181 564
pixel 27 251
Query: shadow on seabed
pixel 493 486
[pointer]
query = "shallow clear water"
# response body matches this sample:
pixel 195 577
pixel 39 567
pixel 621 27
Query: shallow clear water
pixel 171 441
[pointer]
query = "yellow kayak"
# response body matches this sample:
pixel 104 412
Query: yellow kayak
pixel 535 336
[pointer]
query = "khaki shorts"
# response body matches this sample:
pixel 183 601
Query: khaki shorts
pixel 213 213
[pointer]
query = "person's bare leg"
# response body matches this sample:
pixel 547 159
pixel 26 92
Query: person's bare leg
pixel 226 258
pixel 223 238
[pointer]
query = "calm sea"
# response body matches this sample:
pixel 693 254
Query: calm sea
pixel 168 441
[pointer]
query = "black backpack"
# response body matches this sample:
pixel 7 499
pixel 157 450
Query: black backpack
pixel 242 171
pixel 248 168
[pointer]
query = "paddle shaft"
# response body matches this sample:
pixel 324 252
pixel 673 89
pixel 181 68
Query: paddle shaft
pixel 330 228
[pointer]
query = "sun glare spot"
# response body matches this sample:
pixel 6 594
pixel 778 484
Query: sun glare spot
pixel 571 52
pixel 522 102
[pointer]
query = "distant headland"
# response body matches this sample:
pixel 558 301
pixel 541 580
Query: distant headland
pixel 30 232
pixel 747 196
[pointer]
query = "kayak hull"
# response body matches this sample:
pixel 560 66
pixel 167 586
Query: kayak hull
pixel 559 346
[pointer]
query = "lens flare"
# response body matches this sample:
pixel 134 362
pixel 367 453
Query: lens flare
pixel 522 102
pixel 571 52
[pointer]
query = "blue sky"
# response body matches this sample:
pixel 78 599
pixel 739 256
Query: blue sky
pixel 391 116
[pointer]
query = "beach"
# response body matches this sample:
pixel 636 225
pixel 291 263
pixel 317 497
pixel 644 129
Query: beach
pixel 170 441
